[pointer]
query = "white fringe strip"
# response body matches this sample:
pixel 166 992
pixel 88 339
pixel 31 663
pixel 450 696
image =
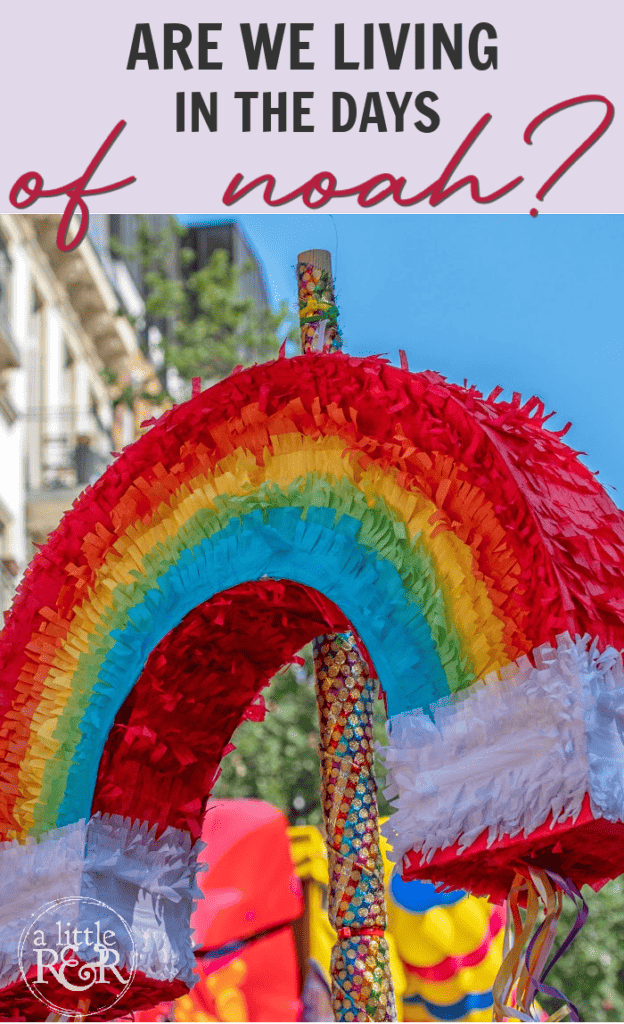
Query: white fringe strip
pixel 150 882
pixel 507 752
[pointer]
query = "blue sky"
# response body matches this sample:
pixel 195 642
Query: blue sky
pixel 533 305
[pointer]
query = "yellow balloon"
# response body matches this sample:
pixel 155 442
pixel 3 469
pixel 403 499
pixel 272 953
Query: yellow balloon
pixel 438 929
pixel 423 939
pixel 412 946
pixel 468 980
pixel 470 919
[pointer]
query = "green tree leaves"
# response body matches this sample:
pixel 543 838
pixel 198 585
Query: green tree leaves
pixel 277 760
pixel 208 322
pixel 591 972
pixel 217 327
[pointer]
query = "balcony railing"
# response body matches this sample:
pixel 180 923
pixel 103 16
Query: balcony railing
pixel 67 449
pixel 57 468
pixel 67 465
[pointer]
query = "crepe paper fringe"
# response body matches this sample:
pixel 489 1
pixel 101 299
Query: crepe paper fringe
pixel 279 544
pixel 360 966
pixel 509 752
pixel 543 544
pixel 162 765
pixel 148 880
pixel 535 521
pixel 18 1003
pixel 32 875
pixel 528 944
pixel 419 571
pixel 510 421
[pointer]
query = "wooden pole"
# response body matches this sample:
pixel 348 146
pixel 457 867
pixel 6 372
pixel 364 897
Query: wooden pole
pixel 361 979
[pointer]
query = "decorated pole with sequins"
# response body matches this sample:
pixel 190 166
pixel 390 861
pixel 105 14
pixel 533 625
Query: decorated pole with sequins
pixel 361 979
pixel 318 313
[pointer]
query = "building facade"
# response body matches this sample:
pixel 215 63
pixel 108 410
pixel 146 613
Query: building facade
pixel 67 344
pixel 74 337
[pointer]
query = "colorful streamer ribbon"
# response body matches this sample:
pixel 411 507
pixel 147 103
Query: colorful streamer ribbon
pixel 522 974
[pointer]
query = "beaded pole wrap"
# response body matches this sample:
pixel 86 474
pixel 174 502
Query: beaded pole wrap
pixel 360 969
pixel 318 313
pixel 361 979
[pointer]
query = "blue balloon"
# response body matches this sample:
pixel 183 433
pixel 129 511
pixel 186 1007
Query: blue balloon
pixel 419 897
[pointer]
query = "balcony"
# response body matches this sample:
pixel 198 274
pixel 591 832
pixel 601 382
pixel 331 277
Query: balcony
pixel 66 464
pixel 91 295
